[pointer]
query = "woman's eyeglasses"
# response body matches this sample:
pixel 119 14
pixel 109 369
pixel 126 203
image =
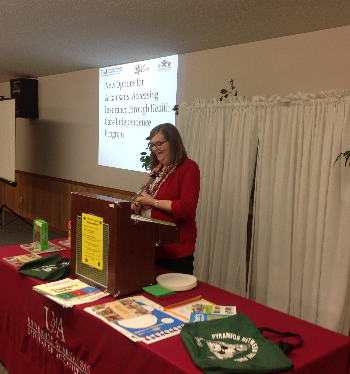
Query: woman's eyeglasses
pixel 156 144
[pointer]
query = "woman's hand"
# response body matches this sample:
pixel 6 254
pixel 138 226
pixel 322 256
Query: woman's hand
pixel 145 199
pixel 148 201
pixel 136 207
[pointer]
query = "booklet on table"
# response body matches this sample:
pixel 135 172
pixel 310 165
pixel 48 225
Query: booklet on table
pixel 69 292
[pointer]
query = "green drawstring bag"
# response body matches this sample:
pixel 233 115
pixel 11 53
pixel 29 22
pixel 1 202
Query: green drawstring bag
pixel 233 345
pixel 48 268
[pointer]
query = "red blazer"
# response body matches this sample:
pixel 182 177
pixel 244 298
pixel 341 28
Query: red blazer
pixel 182 188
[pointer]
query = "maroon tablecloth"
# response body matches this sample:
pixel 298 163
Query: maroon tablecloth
pixel 39 336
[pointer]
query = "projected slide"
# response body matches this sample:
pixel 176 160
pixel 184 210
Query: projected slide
pixel 134 98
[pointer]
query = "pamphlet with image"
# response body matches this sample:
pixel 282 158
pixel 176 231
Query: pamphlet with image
pixel 138 318
pixel 30 247
pixel 66 243
pixel 214 309
pixel 20 260
pixel 209 312
pixel 184 309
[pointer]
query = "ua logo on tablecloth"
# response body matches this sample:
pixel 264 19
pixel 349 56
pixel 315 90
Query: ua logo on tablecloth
pixel 52 338
pixel 54 325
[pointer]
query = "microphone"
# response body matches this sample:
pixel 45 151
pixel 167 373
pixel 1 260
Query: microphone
pixel 151 178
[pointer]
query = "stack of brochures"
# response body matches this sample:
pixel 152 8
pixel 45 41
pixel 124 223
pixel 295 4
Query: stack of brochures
pixel 69 292
pixel 209 312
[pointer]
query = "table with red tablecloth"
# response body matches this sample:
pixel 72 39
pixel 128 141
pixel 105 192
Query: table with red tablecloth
pixel 38 335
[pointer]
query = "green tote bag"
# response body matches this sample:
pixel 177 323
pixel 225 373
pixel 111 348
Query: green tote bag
pixel 48 268
pixel 233 345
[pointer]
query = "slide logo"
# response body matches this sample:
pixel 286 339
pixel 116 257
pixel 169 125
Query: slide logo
pixel 164 65
pixel 140 69
pixel 111 71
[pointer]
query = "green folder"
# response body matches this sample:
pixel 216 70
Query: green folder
pixel 158 291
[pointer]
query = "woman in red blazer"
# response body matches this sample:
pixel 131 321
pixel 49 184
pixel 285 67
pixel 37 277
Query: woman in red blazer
pixel 172 197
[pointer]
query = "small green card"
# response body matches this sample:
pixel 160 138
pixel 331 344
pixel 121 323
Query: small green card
pixel 158 291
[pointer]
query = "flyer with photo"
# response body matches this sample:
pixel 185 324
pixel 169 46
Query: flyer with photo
pixel 66 243
pixel 214 309
pixel 184 308
pixel 30 247
pixel 202 312
pixel 18 261
pixel 138 318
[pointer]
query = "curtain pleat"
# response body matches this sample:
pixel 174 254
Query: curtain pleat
pixel 222 139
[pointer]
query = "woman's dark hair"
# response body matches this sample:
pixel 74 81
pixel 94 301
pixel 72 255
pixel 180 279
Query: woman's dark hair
pixel 172 135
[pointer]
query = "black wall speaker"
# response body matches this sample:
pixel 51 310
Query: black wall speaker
pixel 25 93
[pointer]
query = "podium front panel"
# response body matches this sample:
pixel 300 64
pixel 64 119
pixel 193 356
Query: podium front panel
pixel 128 247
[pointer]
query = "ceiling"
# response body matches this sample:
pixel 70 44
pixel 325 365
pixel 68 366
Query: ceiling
pixel 46 37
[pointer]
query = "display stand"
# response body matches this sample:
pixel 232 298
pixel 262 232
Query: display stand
pixel 2 211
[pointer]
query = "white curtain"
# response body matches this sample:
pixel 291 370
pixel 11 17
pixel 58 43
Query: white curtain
pixel 300 260
pixel 222 138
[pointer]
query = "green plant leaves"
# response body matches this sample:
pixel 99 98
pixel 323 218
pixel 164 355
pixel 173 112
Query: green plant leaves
pixel 225 93
pixel 176 109
pixel 145 156
pixel 345 155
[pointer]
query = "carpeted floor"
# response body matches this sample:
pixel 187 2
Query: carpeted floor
pixel 17 231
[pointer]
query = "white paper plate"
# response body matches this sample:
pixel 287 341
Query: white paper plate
pixel 177 281
pixel 139 322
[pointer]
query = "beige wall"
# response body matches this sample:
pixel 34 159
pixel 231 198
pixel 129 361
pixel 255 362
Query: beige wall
pixel 63 142
pixel 307 62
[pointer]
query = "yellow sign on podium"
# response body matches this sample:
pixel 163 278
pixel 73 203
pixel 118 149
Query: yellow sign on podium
pixel 92 241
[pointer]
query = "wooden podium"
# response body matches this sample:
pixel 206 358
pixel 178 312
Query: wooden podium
pixel 128 244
